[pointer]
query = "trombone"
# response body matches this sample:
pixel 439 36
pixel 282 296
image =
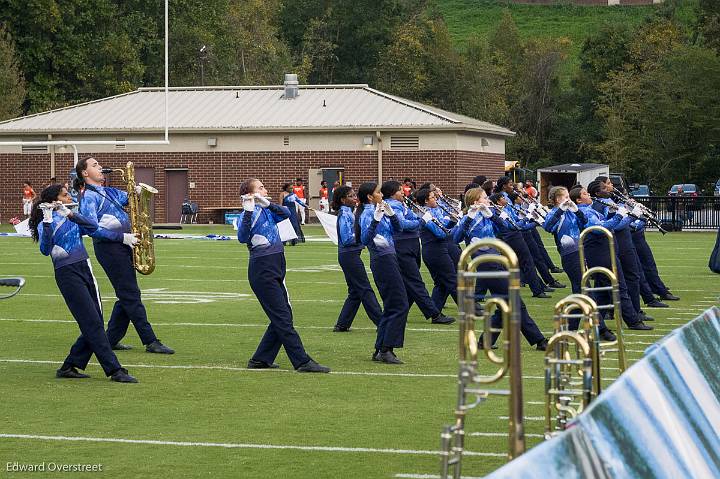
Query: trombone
pixel 561 389
pixel 470 382
pixel 613 288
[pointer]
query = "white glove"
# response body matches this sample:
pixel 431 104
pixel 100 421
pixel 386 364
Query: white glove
pixel 473 211
pixel 388 209
pixel 504 215
pixel 563 206
pixel 573 207
pixel 379 213
pixel 261 200
pixel 637 210
pixel 138 189
pixel 63 210
pixel 427 217
pixel 47 210
pixel 485 211
pixel 622 211
pixel 130 239
pixel 531 207
pixel 248 203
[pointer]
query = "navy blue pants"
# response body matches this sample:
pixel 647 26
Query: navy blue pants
pixel 630 265
pixel 542 267
pixel 409 258
pixel 598 254
pixel 359 290
pixel 571 265
pixel 388 279
pixel 647 261
pixel 116 259
pixel 541 247
pixel 436 256
pixel 267 280
pixel 77 286
pixel 499 288
pixel 528 273
pixel 645 292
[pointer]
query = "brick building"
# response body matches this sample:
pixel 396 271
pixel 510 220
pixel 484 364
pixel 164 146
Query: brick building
pixel 221 135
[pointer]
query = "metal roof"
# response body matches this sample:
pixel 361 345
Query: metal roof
pixel 241 108
pixel 572 167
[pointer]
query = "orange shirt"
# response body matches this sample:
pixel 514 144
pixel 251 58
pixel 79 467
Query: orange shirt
pixel 299 191
pixel 324 193
pixel 28 193
pixel 407 190
pixel 531 191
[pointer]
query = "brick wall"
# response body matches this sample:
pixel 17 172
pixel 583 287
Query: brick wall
pixel 217 175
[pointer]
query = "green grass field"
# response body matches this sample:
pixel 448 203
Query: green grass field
pixel 200 303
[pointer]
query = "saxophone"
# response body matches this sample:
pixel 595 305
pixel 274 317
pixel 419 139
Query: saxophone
pixel 140 221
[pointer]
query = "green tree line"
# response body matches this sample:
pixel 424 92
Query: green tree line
pixel 644 98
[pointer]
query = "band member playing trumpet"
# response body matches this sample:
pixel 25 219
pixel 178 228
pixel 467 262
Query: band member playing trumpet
pixel 407 247
pixel 375 225
pixel 481 221
pixel 266 274
pixel 349 249
pixel 57 229
pixel 104 207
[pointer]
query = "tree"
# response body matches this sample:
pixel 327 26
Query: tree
pixel 12 83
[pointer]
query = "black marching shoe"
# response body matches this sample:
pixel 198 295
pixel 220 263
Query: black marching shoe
pixel 557 285
pixel 442 319
pixel 542 345
pixel 340 329
pixel 607 336
pixel 640 326
pixel 312 367
pixel 252 364
pixel 669 297
pixel 122 376
pixel 556 270
pixel 656 303
pixel 548 289
pixel 541 295
pixel 482 346
pixel 376 355
pixel 70 372
pixel 158 348
pixel 388 357
pixel 121 347
pixel 644 317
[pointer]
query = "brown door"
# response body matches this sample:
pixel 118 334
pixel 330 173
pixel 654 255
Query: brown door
pixel 176 184
pixel 147 176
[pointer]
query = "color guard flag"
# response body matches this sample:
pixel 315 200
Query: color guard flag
pixel 328 223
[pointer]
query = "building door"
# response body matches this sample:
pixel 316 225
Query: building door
pixel 147 176
pixel 176 190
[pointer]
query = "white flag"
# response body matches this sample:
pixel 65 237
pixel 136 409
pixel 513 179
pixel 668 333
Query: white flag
pixel 23 228
pixel 329 223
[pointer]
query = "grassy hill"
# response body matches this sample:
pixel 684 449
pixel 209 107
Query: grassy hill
pixel 467 17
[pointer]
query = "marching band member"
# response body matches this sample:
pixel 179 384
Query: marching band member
pixel 598 253
pixel 651 282
pixel 481 222
pixel 266 274
pixel 436 246
pixel 565 221
pixel 57 229
pixel 349 249
pixel 375 224
pixel 407 247
pixel 293 203
pixel 104 207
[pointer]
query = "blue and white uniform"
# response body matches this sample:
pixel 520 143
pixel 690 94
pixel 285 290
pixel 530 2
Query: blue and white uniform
pixel 104 208
pixel 436 246
pixel 291 202
pixel 62 241
pixel 359 289
pixel 266 274
pixel 378 237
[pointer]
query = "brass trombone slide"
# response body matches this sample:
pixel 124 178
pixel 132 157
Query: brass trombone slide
pixel 470 382
pixel 613 288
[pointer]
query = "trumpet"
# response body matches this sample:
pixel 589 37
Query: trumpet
pixel 421 210
pixel 470 382
pixel 614 288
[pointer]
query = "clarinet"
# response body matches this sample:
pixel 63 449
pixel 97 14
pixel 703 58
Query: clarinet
pixel 422 210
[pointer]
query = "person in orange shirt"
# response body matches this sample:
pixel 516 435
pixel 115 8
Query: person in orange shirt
pixel 407 187
pixel 530 189
pixel 28 198
pixel 299 190
pixel 324 202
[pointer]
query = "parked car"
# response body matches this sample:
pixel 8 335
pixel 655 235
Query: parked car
pixel 641 191
pixel 685 189
pixel 619 182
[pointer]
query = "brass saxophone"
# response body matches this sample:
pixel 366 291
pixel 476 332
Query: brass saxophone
pixel 140 221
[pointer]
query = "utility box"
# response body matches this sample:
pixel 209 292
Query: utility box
pixel 568 175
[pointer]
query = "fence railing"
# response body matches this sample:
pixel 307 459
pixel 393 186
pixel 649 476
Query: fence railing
pixel 676 213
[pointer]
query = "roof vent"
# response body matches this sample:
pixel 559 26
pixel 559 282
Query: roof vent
pixel 291 86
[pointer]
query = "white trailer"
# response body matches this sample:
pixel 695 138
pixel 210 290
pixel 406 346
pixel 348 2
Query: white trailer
pixel 568 175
